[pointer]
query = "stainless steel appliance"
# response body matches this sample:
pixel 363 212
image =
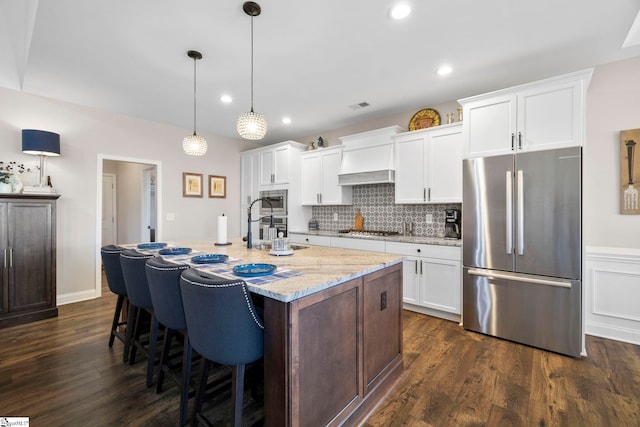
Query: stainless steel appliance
pixel 522 248
pixel 280 224
pixel 273 199
pixel 452 223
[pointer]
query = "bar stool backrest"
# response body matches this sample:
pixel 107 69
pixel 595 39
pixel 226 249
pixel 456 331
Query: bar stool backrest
pixel 112 269
pixel 135 278
pixel 164 285
pixel 222 321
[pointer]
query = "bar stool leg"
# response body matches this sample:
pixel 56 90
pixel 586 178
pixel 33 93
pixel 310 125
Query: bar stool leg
pixel 237 391
pixel 131 320
pixel 116 319
pixel 153 344
pixel 202 391
pixel 186 380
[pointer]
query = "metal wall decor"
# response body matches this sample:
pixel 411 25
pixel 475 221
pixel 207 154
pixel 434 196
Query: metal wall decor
pixel 629 172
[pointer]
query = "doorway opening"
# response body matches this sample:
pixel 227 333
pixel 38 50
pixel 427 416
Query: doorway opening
pixel 129 214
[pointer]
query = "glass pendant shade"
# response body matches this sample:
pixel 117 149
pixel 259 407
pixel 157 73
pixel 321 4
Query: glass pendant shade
pixel 194 145
pixel 251 125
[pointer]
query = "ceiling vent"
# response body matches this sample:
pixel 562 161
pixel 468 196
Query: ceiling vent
pixel 359 105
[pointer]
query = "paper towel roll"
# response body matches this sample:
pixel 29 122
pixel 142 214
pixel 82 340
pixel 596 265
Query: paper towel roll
pixel 222 229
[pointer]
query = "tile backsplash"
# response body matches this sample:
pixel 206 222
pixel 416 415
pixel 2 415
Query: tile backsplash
pixel 376 203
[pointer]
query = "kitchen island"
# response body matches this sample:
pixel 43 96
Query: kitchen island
pixel 333 334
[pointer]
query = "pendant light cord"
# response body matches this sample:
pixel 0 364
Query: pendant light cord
pixel 252 63
pixel 194 96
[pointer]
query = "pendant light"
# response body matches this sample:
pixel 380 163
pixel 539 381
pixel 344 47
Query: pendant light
pixel 251 125
pixel 194 145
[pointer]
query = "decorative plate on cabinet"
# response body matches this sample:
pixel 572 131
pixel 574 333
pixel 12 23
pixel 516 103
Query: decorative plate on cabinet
pixel 424 118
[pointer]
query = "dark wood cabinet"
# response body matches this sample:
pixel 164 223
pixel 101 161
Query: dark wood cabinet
pixel 333 355
pixel 28 251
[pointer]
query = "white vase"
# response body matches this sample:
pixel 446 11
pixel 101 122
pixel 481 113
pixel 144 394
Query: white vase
pixel 5 188
pixel 16 183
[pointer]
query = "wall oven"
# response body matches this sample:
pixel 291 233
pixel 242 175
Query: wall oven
pixel 280 224
pixel 273 199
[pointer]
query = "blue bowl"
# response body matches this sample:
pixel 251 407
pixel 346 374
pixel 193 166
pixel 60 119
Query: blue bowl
pixel 209 258
pixel 174 251
pixel 153 245
pixel 254 270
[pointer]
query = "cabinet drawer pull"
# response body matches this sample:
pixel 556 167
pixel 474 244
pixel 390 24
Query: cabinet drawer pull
pixel 424 194
pixel 416 266
pixel 5 259
pixel 513 138
pixel 420 267
pixel 429 198
pixel 519 140
pixel 10 257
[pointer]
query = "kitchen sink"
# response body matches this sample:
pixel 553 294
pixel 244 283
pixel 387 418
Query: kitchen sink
pixel 297 247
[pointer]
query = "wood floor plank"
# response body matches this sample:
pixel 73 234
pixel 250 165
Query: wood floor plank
pixel 60 371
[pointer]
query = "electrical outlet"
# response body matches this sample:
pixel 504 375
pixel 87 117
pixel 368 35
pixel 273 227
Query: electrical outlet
pixel 171 216
pixel 428 218
pixel 335 216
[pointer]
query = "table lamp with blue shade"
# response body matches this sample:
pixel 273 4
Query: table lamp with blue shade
pixel 40 143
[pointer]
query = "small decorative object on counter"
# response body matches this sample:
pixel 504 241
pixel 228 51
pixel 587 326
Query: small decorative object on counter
pixel 359 223
pixel 459 114
pixel 313 224
pixel 320 142
pixel 449 118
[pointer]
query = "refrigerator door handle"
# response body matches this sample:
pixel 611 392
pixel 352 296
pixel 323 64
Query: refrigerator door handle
pixel 520 226
pixel 535 280
pixel 509 212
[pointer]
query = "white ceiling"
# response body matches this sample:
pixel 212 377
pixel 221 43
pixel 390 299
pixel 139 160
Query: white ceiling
pixel 313 60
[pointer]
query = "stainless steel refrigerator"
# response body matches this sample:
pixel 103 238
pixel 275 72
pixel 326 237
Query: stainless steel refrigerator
pixel 522 248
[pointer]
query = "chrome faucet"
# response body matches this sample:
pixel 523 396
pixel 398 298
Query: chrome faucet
pixel 249 221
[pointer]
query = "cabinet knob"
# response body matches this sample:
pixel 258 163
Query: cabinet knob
pixel 419 250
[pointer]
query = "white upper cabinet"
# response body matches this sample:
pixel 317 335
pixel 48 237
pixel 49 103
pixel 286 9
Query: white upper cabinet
pixel 538 116
pixel 250 171
pixel 320 178
pixel 429 165
pixel 276 164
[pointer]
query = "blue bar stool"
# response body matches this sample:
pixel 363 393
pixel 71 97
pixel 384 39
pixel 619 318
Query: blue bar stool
pixel 225 328
pixel 135 278
pixel 164 286
pixel 111 260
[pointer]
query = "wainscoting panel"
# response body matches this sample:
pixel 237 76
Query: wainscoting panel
pixel 612 293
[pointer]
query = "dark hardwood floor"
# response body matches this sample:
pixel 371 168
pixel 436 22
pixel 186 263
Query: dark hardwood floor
pixel 61 372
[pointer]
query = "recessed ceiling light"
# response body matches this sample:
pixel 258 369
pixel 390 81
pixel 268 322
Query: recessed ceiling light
pixel 399 11
pixel 227 99
pixel 286 120
pixel 444 70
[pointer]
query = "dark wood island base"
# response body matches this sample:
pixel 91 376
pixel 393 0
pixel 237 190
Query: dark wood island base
pixel 331 356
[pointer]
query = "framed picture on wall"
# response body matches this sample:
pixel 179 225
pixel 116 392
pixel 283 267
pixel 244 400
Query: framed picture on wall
pixel 218 186
pixel 191 184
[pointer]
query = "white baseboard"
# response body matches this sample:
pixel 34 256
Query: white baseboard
pixel 76 297
pixel 612 292
pixel 431 312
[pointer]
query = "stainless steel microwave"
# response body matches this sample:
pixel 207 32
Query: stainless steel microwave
pixel 273 202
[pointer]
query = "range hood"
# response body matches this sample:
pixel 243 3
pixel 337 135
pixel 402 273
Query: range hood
pixel 367 158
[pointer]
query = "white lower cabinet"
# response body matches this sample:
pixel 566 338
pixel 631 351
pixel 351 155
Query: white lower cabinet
pixel 308 239
pixel 358 244
pixel 432 278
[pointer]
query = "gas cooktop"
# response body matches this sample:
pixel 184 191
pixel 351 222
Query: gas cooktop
pixel 368 233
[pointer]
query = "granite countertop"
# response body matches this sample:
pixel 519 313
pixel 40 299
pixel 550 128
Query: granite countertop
pixel 321 267
pixel 423 240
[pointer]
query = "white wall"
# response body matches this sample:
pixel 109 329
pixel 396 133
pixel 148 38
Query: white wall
pixel 613 104
pixel 84 134
pixel 612 260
